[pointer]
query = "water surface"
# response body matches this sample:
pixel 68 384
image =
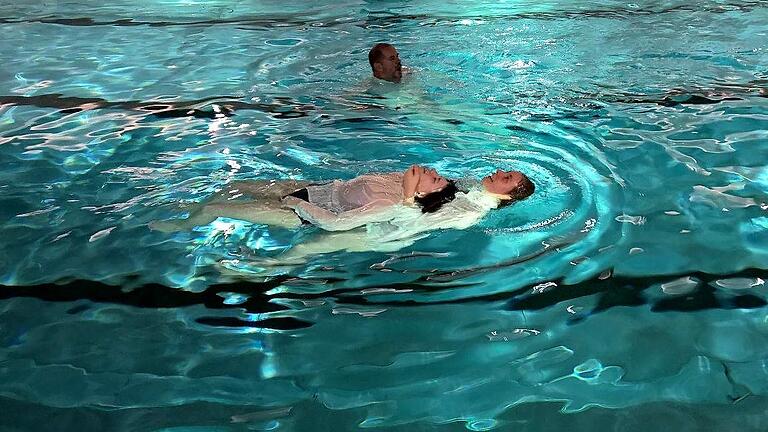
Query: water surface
pixel 630 286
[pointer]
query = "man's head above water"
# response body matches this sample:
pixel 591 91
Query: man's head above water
pixel 385 63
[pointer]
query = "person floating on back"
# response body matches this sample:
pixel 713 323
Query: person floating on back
pixel 337 205
pixel 373 212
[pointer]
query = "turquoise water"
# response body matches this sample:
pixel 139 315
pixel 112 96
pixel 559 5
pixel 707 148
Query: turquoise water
pixel 628 293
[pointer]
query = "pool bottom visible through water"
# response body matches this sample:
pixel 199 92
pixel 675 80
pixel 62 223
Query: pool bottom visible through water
pixel 627 293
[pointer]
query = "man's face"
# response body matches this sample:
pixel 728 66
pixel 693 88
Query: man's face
pixel 388 67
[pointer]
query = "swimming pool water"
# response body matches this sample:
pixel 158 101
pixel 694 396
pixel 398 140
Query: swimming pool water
pixel 627 293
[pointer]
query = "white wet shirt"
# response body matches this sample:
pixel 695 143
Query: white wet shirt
pixel 409 224
pixel 340 196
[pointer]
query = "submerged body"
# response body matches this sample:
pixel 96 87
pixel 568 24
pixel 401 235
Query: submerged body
pixel 402 227
pixel 338 205
pixel 405 225
pixel 373 212
pixel 367 190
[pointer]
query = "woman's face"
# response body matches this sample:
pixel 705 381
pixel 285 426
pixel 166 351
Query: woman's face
pixel 503 182
pixel 427 180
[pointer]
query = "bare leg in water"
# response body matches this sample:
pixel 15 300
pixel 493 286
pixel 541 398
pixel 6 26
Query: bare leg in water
pixel 265 207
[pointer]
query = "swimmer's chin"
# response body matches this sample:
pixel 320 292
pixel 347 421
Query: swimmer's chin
pixel 392 79
pixel 397 77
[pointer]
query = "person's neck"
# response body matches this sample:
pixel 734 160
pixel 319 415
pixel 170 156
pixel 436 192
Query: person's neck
pixel 379 77
pixel 483 198
pixel 499 197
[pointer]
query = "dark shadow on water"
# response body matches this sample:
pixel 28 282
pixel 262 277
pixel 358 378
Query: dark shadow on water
pixel 285 108
pixel 747 415
pixel 375 19
pixel 610 292
pixel 156 296
pixel 283 323
pixel 208 108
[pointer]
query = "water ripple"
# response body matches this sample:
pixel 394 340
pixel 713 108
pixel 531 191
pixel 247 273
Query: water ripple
pixel 643 126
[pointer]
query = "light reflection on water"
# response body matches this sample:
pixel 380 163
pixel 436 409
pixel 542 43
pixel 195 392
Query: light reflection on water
pixel 644 127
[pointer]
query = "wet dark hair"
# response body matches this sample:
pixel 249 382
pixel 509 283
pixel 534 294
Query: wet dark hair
pixel 432 202
pixel 375 54
pixel 519 193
